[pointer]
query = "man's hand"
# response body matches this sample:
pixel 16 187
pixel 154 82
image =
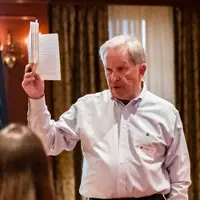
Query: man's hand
pixel 32 84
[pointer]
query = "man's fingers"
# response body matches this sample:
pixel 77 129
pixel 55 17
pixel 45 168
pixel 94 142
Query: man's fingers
pixel 37 77
pixel 28 81
pixel 28 68
pixel 28 75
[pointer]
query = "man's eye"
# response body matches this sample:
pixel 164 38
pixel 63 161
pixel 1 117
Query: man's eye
pixel 122 69
pixel 108 70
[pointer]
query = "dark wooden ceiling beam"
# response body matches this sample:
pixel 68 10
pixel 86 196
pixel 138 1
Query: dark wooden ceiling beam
pixel 23 1
pixel 110 2
pixel 131 2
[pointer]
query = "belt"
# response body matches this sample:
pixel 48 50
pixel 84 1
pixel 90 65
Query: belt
pixel 153 197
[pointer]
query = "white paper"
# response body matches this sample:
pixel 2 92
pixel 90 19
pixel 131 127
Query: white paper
pixel 49 57
pixel 43 53
pixel 33 43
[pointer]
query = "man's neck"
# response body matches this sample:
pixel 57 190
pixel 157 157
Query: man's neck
pixel 125 102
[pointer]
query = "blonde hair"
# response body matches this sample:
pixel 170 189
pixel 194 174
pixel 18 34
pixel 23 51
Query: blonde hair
pixel 126 43
pixel 24 167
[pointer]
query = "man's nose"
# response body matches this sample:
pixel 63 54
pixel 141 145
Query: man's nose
pixel 114 77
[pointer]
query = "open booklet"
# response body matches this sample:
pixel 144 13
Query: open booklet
pixel 43 53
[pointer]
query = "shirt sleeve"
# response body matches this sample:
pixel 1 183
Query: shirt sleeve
pixel 177 163
pixel 56 136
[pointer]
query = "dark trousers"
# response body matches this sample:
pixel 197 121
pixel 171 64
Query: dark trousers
pixel 153 197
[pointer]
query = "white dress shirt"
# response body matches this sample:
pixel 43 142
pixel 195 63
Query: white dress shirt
pixel 132 150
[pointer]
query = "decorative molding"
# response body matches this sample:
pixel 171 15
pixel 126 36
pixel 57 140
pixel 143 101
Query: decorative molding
pixel 7 17
pixel 107 2
pixel 129 2
pixel 24 1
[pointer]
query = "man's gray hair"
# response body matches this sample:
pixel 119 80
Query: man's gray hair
pixel 129 43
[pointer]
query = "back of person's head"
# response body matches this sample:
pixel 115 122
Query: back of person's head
pixel 24 167
pixel 125 43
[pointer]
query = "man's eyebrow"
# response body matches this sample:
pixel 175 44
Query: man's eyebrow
pixel 123 63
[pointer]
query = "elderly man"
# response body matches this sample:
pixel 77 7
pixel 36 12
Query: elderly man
pixel 132 141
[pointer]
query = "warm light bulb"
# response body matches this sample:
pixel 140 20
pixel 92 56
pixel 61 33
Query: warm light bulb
pixel 26 40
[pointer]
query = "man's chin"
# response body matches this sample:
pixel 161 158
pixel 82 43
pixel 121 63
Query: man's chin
pixel 117 95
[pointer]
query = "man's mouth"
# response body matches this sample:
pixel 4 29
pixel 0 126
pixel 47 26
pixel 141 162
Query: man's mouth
pixel 116 87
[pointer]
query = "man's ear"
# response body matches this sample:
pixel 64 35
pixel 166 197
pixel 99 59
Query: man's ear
pixel 142 69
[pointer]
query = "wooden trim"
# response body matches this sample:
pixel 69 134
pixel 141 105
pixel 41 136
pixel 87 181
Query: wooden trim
pixel 6 17
pixel 24 1
pixel 107 2
pixel 24 10
pixel 129 2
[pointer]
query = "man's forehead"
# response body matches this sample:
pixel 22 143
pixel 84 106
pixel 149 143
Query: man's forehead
pixel 117 51
pixel 117 55
pixel 116 63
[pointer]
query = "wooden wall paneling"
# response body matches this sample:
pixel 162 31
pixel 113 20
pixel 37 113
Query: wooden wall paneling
pixel 15 18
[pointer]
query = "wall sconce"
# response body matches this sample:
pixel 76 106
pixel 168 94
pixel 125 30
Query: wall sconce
pixel 9 57
pixel 13 51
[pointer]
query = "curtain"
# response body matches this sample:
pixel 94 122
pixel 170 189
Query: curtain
pixel 153 26
pixel 3 114
pixel 187 74
pixel 82 29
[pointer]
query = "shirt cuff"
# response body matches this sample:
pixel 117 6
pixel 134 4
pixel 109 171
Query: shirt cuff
pixel 37 104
